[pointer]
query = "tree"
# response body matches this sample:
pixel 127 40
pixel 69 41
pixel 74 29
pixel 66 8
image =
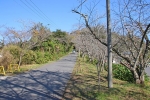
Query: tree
pixel 90 47
pixel 59 34
pixel 93 30
pixel 39 34
pixel 27 38
pixel 132 28
pixel 63 38
pixel 1 44
pixel 1 40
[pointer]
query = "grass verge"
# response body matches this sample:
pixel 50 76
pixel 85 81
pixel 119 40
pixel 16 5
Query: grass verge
pixel 83 85
pixel 24 68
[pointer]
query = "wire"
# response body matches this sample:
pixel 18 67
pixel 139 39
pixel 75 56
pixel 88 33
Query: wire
pixel 35 9
pixel 21 5
pixel 42 12
pixel 31 9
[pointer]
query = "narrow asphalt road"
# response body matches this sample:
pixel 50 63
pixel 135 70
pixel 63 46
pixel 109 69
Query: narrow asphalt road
pixel 45 83
pixel 147 70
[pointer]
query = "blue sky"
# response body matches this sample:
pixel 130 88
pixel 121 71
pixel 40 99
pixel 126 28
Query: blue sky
pixel 57 13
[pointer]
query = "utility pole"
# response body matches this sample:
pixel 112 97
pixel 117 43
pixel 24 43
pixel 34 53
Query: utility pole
pixel 109 45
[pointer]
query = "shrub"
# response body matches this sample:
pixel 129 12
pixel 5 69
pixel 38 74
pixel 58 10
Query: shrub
pixel 29 57
pixel 10 54
pixel 6 59
pixel 147 78
pixel 48 56
pixel 122 73
pixel 40 58
pixel 14 51
pixel 95 61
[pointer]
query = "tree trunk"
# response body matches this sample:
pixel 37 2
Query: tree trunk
pixel 99 79
pixel 139 77
pixel 20 59
pixel 98 72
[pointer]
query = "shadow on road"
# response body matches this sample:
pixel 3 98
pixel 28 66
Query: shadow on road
pixel 34 85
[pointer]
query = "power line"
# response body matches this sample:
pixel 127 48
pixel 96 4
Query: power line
pixel 35 9
pixel 21 5
pixel 31 9
pixel 42 12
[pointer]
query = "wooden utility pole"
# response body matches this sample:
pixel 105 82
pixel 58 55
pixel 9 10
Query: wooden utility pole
pixel 109 47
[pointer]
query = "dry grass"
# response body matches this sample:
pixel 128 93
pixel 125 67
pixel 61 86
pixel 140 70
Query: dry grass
pixel 25 68
pixel 29 67
pixel 83 86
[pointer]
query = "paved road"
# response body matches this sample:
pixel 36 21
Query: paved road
pixel 45 83
pixel 147 70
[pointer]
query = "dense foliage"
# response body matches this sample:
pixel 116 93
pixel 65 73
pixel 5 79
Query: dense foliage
pixel 43 46
pixel 123 73
pixel 119 71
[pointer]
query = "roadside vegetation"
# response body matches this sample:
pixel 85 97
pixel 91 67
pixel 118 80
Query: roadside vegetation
pixel 36 44
pixel 83 85
pixel 32 47
pixel 130 29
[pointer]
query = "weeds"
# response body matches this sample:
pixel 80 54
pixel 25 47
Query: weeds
pixel 84 86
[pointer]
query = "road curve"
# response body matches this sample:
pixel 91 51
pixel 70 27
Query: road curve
pixel 45 83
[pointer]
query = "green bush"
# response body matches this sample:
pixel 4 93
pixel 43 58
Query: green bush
pixel 122 73
pixel 87 59
pixel 15 51
pixel 91 61
pixel 41 61
pixel 147 78
pixel 40 58
pixel 29 57
pixel 48 56
pixel 95 61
